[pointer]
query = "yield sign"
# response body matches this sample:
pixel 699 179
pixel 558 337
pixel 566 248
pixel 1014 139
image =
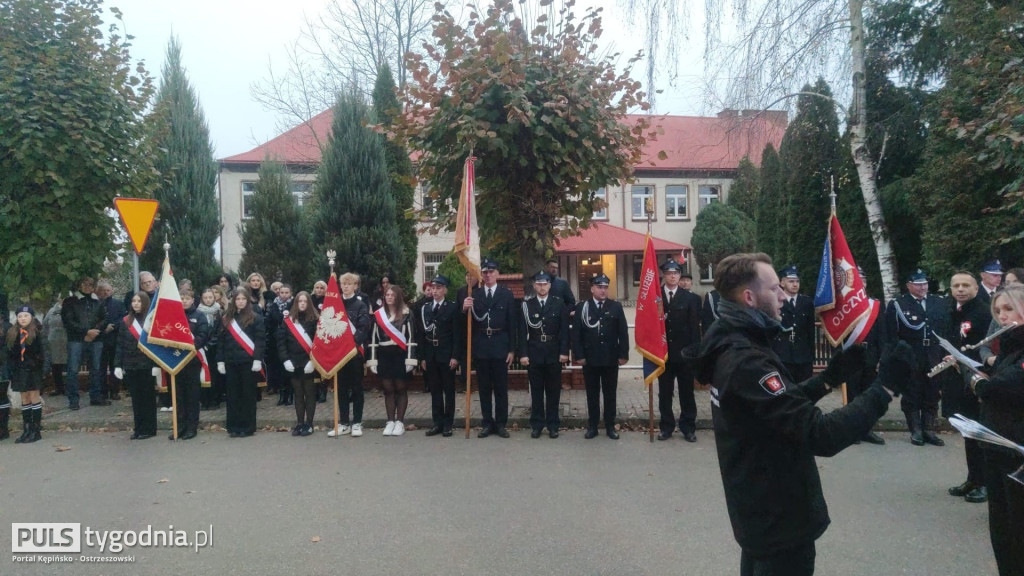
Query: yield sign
pixel 137 215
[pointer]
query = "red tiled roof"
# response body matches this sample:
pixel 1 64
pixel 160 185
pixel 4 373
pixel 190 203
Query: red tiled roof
pixel 603 238
pixel 689 142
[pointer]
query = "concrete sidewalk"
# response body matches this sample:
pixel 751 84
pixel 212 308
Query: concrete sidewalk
pixel 632 411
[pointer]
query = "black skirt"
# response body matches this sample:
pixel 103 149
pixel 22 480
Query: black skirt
pixel 23 380
pixel 391 363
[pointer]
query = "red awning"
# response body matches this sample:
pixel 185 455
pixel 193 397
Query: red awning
pixel 603 238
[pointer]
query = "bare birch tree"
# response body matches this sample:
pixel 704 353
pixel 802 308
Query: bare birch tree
pixel 778 46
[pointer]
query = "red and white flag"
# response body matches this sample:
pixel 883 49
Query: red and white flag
pixel 334 344
pixel 467 229
pixel 167 324
pixel 650 338
pixel 840 299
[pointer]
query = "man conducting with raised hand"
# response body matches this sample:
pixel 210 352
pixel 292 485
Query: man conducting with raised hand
pixel 767 427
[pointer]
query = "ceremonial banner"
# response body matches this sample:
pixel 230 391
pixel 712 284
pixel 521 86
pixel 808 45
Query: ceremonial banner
pixel 467 229
pixel 650 321
pixel 840 298
pixel 166 337
pixel 334 344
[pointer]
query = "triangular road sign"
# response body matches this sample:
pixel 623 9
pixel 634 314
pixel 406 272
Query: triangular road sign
pixel 137 215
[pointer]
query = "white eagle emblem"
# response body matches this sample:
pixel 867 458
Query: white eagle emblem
pixel 332 325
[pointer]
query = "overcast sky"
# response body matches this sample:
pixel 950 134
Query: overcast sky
pixel 227 45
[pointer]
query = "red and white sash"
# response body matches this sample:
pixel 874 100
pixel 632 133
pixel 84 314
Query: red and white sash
pixel 134 327
pixel 242 338
pixel 393 333
pixel 204 372
pixel 300 334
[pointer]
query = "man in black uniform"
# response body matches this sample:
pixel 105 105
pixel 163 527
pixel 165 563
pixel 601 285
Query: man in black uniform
pixel 188 383
pixel 991 279
pixel 600 343
pixel 969 321
pixel 682 329
pixel 542 342
pixel 709 311
pixel 559 287
pixel 492 308
pixel 915 317
pixel 795 345
pixel 438 351
pixel 767 428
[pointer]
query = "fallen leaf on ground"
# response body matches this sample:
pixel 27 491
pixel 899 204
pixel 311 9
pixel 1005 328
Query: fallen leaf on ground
pixel 162 481
pixel 314 539
pixel 63 448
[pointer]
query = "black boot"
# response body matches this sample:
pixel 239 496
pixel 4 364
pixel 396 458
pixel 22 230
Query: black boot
pixel 289 396
pixel 5 410
pixel 321 393
pixel 929 424
pixel 914 424
pixel 26 425
pixel 37 425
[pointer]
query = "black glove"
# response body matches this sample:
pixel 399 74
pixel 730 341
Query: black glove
pixel 844 363
pixel 896 369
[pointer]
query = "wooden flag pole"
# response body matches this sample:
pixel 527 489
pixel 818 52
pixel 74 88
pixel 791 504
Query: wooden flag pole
pixel 469 365
pixel 174 407
pixel 336 407
pixel 844 394
pixel 650 408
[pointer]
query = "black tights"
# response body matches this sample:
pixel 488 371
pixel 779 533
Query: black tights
pixel 305 398
pixel 396 397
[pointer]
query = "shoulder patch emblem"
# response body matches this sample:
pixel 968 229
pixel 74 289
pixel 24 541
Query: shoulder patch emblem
pixel 772 383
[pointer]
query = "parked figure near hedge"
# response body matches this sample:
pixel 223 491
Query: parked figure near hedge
pixel 56 347
pixel 24 348
pixel 295 342
pixel 241 345
pixel 84 319
pixel 135 368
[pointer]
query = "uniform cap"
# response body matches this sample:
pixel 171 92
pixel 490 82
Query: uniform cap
pixel 440 280
pixel 992 267
pixel 918 277
pixel 671 266
pixel 488 264
pixel 789 272
pixel 600 280
pixel 542 278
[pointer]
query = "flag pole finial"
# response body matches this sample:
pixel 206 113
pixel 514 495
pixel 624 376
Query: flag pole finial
pixel 330 259
pixel 167 249
pixel 832 195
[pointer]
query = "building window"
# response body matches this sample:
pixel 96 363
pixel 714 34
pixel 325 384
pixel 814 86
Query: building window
pixel 638 268
pixel 428 204
pixel 639 196
pixel 248 189
pixel 707 195
pixel 675 202
pixel 431 261
pixel 602 195
pixel 301 192
pixel 706 274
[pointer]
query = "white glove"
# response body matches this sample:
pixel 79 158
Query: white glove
pixel 156 371
pixel 119 373
pixel 222 368
pixel 309 368
pixel 257 365
pixel 289 366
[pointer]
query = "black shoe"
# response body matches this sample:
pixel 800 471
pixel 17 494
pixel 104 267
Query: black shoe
pixel 690 436
pixel 535 433
pixel 307 430
pixel 115 396
pixel 872 438
pixel 447 431
pixel 321 396
pixel 484 433
pixel 35 436
pixel 591 433
pixel 74 406
pixel 99 402
pixel 977 496
pixel 189 434
pixel 611 433
pixel 280 400
pixel 234 435
pixel 664 435
pixel 171 436
pixel 916 438
pixel 434 431
pixel 24 436
pixel 503 432
pixel 931 438
pixel 963 489
pixel 138 436
pixel 297 429
pixel 553 434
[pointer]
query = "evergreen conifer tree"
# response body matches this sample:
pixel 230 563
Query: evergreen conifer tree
pixel 770 211
pixel 189 214
pixel 745 192
pixel 273 238
pixel 386 108
pixel 352 210
pixel 811 154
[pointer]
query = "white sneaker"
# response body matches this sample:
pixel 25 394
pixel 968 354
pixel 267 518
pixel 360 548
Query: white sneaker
pixel 165 408
pixel 399 428
pixel 341 431
pixel 389 428
pixel 357 430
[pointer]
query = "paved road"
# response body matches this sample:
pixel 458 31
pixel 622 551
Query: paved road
pixel 417 505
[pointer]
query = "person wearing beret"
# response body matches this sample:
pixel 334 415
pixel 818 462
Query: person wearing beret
pixel 438 350
pixel 915 317
pixel 991 280
pixel 682 329
pixel 542 343
pixel 795 344
pixel 492 308
pixel 600 344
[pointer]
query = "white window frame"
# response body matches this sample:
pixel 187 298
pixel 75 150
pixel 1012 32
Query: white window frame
pixel 431 262
pixel 672 200
pixel 602 194
pixel 248 189
pixel 702 194
pixel 707 274
pixel 301 191
pixel 633 196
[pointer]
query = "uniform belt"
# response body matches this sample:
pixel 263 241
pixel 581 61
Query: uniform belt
pixel 544 337
pixel 491 331
pixel 434 341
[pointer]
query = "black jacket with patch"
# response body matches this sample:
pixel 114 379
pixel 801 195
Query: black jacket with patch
pixel 768 431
